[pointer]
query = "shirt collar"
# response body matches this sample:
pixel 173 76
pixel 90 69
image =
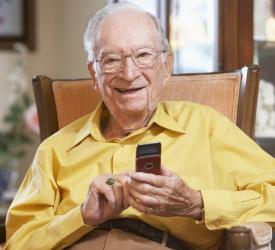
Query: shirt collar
pixel 163 119
pixel 92 125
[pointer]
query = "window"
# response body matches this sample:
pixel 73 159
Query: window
pixel 264 55
pixel 192 29
pixel 194 35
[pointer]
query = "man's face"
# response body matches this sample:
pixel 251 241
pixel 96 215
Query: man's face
pixel 131 89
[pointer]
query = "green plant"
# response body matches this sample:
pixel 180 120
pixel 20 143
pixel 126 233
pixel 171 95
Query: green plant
pixel 15 137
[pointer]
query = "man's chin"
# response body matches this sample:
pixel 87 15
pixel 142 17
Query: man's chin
pixel 131 109
pixel 134 109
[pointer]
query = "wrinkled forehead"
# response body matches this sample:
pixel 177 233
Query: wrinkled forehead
pixel 125 30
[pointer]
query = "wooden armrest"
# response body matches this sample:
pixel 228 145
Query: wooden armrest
pixel 249 236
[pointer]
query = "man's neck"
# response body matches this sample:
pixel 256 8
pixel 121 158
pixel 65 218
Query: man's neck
pixel 119 128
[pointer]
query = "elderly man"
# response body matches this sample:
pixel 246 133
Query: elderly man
pixel 82 190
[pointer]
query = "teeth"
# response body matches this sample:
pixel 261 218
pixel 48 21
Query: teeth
pixel 128 90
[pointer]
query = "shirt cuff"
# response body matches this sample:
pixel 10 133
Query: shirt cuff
pixel 219 210
pixel 72 226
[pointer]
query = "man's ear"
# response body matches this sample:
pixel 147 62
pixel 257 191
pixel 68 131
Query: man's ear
pixel 168 64
pixel 92 74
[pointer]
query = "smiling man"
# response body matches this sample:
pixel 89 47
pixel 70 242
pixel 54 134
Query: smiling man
pixel 82 191
pixel 129 71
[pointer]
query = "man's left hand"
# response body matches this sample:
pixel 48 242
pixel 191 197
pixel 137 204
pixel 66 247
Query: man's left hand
pixel 164 195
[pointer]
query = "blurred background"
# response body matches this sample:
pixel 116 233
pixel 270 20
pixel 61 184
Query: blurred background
pixel 45 37
pixel 48 42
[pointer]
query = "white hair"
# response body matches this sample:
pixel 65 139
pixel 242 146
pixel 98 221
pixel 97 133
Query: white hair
pixel 91 30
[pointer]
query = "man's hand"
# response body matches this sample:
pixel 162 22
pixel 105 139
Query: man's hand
pixel 104 201
pixel 164 195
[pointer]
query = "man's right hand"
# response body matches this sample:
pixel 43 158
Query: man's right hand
pixel 103 201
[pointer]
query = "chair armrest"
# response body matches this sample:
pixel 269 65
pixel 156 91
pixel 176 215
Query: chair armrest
pixel 249 236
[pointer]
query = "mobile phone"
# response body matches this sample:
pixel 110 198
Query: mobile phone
pixel 148 158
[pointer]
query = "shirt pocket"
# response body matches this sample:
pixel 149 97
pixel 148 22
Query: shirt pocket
pixel 245 195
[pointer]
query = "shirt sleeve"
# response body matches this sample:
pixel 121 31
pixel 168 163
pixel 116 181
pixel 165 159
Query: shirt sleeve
pixel 249 192
pixel 32 221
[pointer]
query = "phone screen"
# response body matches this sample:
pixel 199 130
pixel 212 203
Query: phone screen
pixel 148 158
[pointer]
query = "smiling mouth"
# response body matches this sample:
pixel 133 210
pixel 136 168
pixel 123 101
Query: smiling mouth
pixel 128 90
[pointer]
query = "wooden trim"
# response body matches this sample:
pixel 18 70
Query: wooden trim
pixel 245 38
pixel 28 37
pixel 30 18
pixel 221 36
pixel 168 13
pixel 235 34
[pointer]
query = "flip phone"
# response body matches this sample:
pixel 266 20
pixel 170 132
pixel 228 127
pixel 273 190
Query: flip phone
pixel 148 158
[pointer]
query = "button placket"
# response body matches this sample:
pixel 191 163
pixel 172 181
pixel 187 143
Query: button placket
pixel 124 159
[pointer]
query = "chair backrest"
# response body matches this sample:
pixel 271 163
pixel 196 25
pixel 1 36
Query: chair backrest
pixel 233 93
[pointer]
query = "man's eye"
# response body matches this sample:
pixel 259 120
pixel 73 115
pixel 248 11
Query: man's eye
pixel 111 60
pixel 143 55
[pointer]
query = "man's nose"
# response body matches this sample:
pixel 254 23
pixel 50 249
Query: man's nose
pixel 129 70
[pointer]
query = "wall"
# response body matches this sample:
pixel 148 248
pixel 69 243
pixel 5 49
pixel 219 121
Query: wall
pixel 59 49
pixel 61 24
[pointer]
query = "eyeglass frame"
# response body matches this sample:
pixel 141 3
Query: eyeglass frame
pixel 123 59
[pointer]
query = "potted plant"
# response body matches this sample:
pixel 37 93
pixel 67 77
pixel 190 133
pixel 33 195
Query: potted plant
pixel 13 140
pixel 14 135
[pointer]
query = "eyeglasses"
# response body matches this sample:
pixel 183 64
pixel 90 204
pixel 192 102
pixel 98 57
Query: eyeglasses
pixel 113 62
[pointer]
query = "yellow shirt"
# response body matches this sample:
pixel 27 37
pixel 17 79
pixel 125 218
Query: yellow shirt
pixel 236 177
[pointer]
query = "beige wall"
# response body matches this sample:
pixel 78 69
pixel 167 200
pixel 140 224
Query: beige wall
pixel 59 31
pixel 61 25
pixel 59 48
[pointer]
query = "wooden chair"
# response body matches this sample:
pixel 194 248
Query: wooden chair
pixel 234 94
